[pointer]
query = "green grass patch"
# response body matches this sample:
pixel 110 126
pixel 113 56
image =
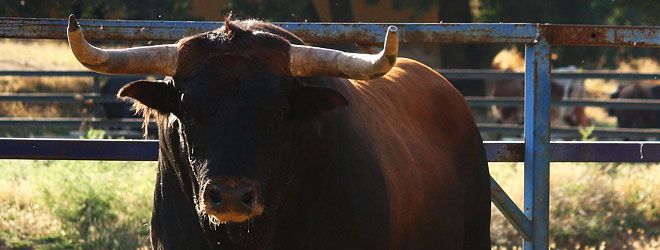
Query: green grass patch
pixel 75 204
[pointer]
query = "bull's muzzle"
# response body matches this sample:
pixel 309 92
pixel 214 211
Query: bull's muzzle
pixel 230 199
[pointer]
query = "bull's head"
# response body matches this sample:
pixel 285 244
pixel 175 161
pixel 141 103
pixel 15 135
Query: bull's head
pixel 233 105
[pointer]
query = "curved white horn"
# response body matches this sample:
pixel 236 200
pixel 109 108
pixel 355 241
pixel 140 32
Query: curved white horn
pixel 158 59
pixel 315 61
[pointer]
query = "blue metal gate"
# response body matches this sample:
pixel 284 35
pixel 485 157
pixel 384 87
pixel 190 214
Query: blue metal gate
pixel 536 151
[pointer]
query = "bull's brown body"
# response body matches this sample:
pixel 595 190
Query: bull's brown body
pixel 252 157
pixel 429 152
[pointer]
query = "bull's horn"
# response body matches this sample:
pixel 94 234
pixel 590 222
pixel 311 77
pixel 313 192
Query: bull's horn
pixel 159 59
pixel 314 61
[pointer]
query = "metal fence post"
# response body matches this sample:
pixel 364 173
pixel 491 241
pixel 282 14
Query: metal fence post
pixel 537 141
pixel 96 85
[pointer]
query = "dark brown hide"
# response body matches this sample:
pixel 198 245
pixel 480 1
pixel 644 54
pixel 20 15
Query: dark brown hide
pixel 392 163
pixel 637 118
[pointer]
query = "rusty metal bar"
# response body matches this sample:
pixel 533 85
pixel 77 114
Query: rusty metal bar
pixel 602 35
pixel 328 33
pixel 361 33
pixel 449 73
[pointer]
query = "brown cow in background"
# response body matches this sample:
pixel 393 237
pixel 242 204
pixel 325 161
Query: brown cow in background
pixel 561 89
pixel 637 118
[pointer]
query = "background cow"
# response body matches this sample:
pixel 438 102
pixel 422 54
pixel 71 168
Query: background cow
pixel 261 149
pixel 561 89
pixel 637 118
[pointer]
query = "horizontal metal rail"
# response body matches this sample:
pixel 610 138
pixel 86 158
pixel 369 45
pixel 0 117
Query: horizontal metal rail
pixel 583 151
pixel 91 98
pixel 504 129
pixel 361 33
pixel 69 122
pixel 584 74
pixel 449 73
pixel 330 33
pixel 574 132
pixel 87 98
pixel 576 102
pixel 147 150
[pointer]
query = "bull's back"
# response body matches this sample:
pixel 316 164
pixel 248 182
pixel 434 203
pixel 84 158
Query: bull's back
pixel 423 135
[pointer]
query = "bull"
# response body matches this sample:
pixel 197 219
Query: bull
pixel 267 143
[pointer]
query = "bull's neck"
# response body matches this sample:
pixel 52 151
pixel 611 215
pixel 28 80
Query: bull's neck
pixel 337 191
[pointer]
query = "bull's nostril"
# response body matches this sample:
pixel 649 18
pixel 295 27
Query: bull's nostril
pixel 248 198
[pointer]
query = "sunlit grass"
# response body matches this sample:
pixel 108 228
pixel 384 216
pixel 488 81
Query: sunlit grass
pixel 24 54
pixel 78 204
pixel 75 204
pixel 593 205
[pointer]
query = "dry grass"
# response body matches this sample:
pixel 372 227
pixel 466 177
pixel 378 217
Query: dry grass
pixel 593 206
pixel 40 55
pixel 19 54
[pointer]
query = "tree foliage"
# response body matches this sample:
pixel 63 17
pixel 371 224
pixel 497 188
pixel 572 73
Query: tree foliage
pixel 276 10
pixel 102 9
pixel 596 12
pixel 611 12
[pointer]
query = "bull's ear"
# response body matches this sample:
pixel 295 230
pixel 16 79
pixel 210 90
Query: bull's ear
pixel 310 101
pixel 153 94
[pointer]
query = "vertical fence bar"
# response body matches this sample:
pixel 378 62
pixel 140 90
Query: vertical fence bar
pixel 96 85
pixel 537 141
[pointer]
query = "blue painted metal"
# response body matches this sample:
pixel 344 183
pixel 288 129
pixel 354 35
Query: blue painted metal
pixel 571 132
pixel 70 122
pixel 63 149
pixel 537 141
pixel 87 98
pixel 498 74
pixel 510 210
pixel 579 151
pixel 361 33
pixel 449 73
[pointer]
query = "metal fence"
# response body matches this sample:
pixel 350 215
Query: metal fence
pixel 536 151
pixel 95 97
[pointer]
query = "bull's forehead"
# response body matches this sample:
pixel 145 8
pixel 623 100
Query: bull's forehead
pixel 236 49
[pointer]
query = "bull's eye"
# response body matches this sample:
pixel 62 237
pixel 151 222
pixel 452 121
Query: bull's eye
pixel 248 198
pixel 215 197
